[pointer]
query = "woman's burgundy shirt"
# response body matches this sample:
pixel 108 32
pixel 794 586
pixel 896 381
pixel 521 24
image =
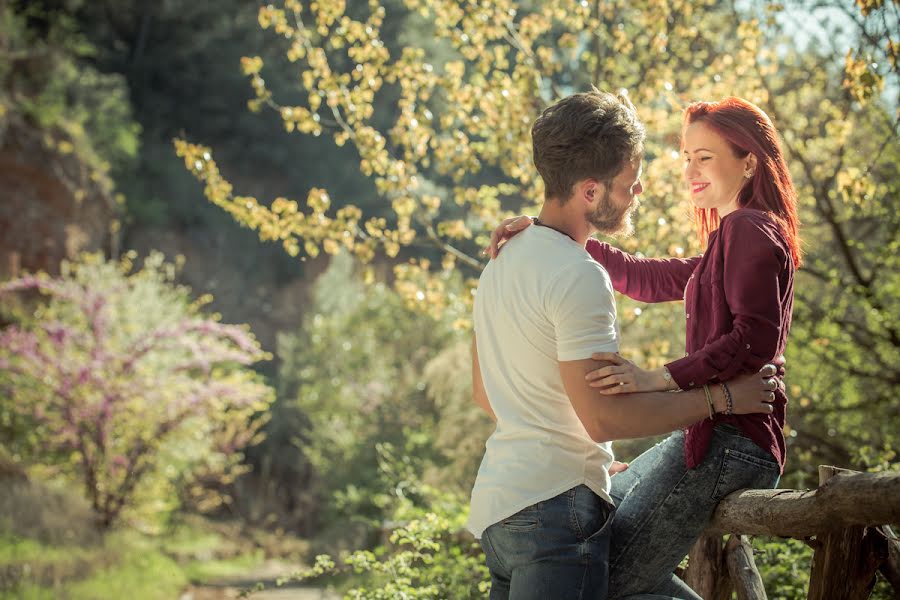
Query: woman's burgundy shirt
pixel 738 297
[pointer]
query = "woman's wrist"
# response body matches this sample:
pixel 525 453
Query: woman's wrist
pixel 668 380
pixel 652 381
pixel 661 380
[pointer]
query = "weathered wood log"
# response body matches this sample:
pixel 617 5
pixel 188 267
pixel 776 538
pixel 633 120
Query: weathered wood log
pixel 706 572
pixel 703 565
pixel 842 514
pixel 847 499
pixel 845 562
pixel 890 568
pixel 742 569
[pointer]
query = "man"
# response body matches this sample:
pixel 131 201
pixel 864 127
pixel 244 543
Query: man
pixel 541 503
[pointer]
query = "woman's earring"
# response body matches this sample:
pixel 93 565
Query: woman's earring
pixel 748 174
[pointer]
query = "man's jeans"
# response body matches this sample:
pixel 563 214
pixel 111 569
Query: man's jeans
pixel 663 507
pixel 555 549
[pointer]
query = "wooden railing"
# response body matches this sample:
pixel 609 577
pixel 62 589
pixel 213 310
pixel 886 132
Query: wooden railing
pixel 846 521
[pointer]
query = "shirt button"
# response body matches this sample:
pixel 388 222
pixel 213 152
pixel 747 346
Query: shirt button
pixel 748 346
pixel 688 315
pixel 691 383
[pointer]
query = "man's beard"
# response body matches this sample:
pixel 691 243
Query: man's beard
pixel 610 219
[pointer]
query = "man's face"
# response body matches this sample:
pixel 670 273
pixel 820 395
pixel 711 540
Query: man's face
pixel 611 212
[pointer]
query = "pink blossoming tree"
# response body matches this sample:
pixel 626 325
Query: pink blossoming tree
pixel 129 387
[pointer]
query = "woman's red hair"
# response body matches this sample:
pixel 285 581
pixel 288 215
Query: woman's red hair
pixel 748 130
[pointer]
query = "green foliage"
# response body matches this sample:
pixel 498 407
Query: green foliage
pixel 784 565
pixel 359 371
pixel 393 435
pixel 426 552
pixel 128 387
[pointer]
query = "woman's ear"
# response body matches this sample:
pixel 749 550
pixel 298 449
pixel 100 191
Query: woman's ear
pixel 750 167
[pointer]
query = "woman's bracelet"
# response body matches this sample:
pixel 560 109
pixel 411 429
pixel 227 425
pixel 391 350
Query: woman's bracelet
pixel 709 401
pixel 729 401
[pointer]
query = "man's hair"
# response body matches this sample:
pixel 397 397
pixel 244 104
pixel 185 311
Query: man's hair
pixel 588 135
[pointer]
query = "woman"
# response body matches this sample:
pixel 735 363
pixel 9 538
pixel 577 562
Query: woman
pixel 738 299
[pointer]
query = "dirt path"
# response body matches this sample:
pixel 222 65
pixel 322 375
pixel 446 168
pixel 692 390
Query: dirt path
pixel 231 593
pixel 267 573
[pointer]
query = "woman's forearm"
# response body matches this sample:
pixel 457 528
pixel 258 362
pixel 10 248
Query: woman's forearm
pixel 644 279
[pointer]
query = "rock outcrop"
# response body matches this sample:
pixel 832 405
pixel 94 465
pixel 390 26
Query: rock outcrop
pixel 53 205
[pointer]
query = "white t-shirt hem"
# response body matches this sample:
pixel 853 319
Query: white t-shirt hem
pixel 595 486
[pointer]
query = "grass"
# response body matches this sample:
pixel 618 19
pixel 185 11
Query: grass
pixel 126 565
pixel 49 548
pixel 15 549
pixel 144 573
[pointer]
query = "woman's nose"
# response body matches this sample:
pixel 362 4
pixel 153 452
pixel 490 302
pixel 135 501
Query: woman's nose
pixel 690 170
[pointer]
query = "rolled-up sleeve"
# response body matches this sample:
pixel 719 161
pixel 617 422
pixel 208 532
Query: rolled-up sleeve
pixel 644 279
pixel 752 283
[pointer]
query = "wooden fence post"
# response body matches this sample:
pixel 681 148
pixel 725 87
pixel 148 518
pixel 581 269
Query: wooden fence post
pixel 891 567
pixel 742 569
pixel 707 573
pixel 845 561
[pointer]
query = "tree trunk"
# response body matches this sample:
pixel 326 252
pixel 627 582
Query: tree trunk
pixel 742 569
pixel 845 561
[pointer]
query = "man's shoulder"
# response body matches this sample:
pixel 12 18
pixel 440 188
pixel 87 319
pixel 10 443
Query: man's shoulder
pixel 583 267
pixel 537 254
pixel 582 281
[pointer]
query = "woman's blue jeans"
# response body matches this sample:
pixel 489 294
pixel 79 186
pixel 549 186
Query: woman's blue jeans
pixel 555 549
pixel 663 507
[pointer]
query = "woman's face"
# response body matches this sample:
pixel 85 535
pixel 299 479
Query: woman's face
pixel 713 173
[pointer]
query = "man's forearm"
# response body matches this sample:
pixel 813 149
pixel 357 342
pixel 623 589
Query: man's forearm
pixel 643 414
pixel 609 417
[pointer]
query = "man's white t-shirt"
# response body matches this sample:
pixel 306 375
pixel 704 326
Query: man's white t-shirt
pixel 542 300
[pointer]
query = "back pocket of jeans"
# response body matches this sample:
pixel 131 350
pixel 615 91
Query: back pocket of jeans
pixel 741 471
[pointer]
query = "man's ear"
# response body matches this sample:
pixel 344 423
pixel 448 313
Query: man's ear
pixel 587 190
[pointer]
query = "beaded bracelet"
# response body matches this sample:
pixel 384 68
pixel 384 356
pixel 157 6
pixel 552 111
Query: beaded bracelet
pixel 729 401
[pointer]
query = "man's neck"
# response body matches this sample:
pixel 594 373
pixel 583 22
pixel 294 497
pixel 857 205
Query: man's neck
pixel 565 221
